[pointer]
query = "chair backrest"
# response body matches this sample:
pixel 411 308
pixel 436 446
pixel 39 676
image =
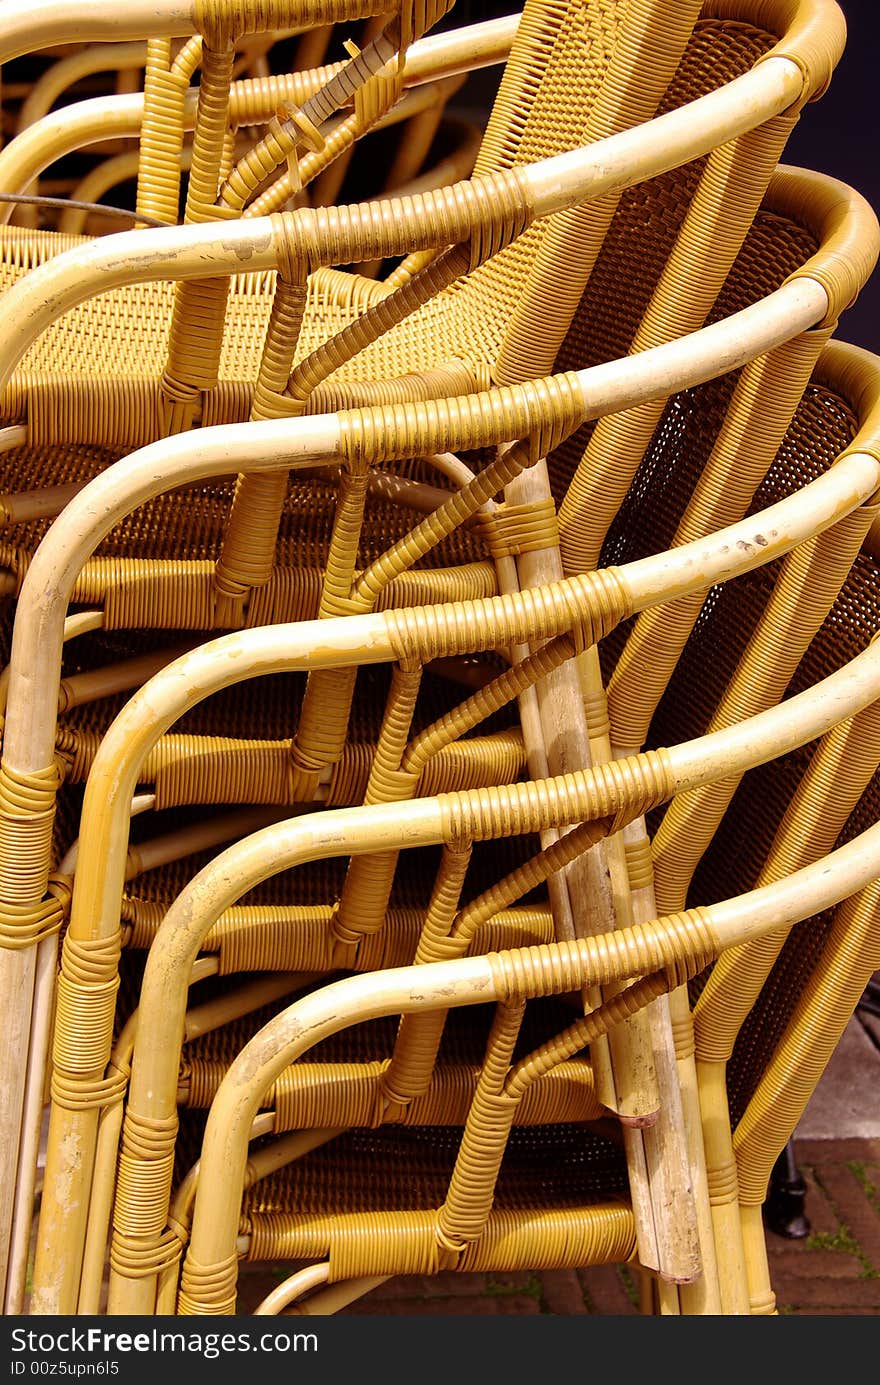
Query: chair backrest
pixel 817 606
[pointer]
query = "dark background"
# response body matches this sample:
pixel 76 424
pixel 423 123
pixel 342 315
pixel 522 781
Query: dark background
pixel 839 134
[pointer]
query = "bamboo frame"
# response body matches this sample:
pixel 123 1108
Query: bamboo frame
pixel 768 63
pixel 805 292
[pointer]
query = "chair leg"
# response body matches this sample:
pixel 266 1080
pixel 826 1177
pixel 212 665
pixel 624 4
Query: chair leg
pixel 870 1001
pixel 786 1196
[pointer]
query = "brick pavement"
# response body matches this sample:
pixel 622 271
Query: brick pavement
pixel 836 1270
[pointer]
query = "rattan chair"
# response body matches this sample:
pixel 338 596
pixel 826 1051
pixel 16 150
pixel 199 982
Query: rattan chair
pixel 178 773
pixel 790 77
pixel 720 50
pixel 311 767
pixel 217 30
pixel 20 245
pixel 782 232
pixel 794 1010
pixel 306 938
pixel 233 583
pixel 400 1243
pixel 77 1099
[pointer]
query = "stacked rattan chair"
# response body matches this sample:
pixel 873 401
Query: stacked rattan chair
pixel 811 233
pixel 162 135
pixel 94 890
pixel 421 148
pixel 339 1213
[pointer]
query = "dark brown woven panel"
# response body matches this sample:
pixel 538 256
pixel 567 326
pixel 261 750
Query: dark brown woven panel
pixel 823 425
pixel 766 1021
pixel 268 708
pixel 682 443
pixel 320 881
pixel 740 846
pixel 190 523
pixel 650 215
pixel 33 468
pixel 649 516
pixel 399 1167
pixel 384 1170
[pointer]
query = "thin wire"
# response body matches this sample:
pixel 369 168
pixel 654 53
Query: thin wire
pixel 26 199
